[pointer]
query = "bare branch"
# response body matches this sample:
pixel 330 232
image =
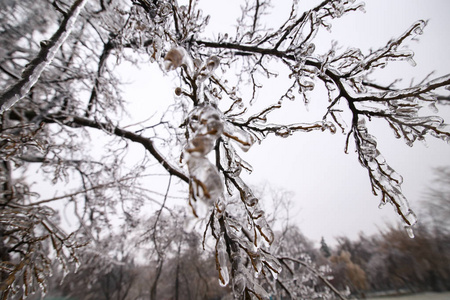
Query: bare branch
pixel 75 121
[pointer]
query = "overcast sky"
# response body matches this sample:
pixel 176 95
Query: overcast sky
pixel 331 191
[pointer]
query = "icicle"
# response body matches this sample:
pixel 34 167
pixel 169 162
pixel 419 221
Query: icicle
pixel 206 181
pixel 265 230
pixel 433 108
pixel 272 264
pixel 221 256
pixel 410 231
pixel 239 285
pixel 244 139
pixel 257 265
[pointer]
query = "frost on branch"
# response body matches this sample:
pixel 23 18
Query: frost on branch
pixel 382 177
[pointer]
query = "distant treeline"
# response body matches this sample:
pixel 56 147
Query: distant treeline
pixel 391 261
pixel 174 264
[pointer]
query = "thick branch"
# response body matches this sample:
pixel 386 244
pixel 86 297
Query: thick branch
pixel 75 121
pixel 107 48
pixel 337 78
pixel 35 68
pixel 269 51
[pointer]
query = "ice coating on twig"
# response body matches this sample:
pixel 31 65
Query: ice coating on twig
pixel 242 138
pixel 221 261
pixel 205 179
pixel 205 71
pixel 205 125
pixel 383 178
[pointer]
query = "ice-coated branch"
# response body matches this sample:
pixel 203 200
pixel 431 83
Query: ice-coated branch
pixel 76 121
pixel 382 177
pixel 45 56
pixel 236 241
pixel 316 273
pixel 107 48
pixel 389 52
pixel 425 91
pixel 172 35
pixel 341 81
pixel 242 232
pixel 292 35
pixel 345 77
pixel 26 228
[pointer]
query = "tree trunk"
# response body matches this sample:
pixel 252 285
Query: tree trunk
pixel 155 282
pixel 177 274
pixel 5 197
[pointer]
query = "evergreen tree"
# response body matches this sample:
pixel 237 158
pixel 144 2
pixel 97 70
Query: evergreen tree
pixel 324 248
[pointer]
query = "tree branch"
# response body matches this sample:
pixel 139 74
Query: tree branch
pixel 45 56
pixel 107 48
pixel 315 272
pixel 75 121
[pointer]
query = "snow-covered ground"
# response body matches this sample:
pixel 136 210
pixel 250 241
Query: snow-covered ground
pixel 427 296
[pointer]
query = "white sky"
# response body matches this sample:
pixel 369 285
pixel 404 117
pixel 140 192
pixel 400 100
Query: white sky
pixel 332 193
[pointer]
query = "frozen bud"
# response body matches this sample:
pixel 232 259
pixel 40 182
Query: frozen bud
pixel 165 9
pixel 214 125
pixel 208 68
pixel 206 120
pixel 178 91
pixel 174 58
pixel 213 120
pixel 200 145
pixel 197 63
pixel 212 63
